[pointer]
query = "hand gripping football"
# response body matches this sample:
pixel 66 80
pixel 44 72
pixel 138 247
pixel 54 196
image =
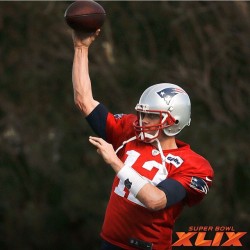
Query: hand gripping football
pixel 87 16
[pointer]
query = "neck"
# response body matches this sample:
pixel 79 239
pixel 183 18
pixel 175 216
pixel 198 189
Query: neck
pixel 167 142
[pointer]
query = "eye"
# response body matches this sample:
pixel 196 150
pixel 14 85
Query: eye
pixel 142 115
pixel 150 116
pixel 153 116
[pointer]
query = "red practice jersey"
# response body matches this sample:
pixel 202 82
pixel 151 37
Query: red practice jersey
pixel 126 217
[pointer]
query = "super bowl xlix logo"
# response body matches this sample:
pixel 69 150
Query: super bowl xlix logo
pixel 213 236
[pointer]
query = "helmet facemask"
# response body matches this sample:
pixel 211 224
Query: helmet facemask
pixel 144 132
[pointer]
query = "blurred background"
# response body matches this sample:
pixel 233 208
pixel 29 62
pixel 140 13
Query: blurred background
pixel 53 186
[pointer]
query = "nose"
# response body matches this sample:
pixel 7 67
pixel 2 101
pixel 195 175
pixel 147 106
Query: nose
pixel 145 119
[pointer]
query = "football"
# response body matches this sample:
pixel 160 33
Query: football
pixel 87 16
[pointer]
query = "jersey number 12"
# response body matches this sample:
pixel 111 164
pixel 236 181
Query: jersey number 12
pixel 152 170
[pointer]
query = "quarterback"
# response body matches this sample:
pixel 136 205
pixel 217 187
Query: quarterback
pixel 156 174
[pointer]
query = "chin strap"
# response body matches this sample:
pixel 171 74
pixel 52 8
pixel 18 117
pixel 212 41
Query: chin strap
pixel 125 142
pixel 163 158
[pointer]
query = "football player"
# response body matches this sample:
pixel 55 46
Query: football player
pixel 156 174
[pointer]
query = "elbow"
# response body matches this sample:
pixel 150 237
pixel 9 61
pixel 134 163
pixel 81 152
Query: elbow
pixel 80 105
pixel 85 105
pixel 154 208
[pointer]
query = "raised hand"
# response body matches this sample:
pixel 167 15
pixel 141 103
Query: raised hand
pixel 84 39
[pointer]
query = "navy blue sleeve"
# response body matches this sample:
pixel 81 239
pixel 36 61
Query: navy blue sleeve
pixel 97 120
pixel 174 191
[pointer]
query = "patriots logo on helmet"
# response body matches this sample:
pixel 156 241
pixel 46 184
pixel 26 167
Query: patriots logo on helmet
pixel 199 184
pixel 168 93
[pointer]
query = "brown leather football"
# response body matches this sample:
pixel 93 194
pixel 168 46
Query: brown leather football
pixel 86 16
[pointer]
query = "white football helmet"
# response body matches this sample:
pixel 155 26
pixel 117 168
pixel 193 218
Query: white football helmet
pixel 172 104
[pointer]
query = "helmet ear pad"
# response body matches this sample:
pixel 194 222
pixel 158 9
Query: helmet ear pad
pixel 175 129
pixel 181 112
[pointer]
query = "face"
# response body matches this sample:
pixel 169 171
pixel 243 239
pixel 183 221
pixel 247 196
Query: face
pixel 148 126
pixel 150 119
